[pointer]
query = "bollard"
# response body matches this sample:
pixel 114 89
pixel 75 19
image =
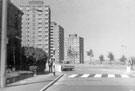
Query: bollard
pixel 128 66
pixel 128 69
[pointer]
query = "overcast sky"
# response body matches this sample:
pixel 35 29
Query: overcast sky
pixel 105 25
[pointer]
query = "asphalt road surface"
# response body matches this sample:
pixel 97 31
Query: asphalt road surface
pixel 94 78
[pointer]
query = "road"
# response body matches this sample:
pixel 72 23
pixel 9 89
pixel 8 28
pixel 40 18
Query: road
pixel 95 78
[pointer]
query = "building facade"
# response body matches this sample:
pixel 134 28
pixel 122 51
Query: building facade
pixel 14 18
pixel 74 49
pixel 57 42
pixel 36 25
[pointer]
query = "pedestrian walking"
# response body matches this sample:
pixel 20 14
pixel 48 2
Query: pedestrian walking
pixel 50 64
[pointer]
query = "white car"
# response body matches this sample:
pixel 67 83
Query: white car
pixel 67 66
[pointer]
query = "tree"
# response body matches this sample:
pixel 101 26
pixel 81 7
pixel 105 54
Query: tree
pixel 123 59
pixel 90 53
pixel 111 57
pixel 69 53
pixel 36 57
pixel 101 58
pixel 72 53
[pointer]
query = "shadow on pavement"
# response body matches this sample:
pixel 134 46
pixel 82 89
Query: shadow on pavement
pixel 31 82
pixel 27 83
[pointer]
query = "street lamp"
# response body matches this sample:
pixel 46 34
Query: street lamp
pixel 54 50
pixel 125 48
pixel 4 43
pixel 54 60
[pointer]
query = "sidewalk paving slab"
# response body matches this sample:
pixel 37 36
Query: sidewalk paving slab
pixel 36 83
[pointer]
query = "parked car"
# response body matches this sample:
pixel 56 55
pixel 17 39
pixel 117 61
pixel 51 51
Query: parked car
pixel 67 65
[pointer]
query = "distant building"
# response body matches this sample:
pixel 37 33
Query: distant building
pixel 14 18
pixel 57 42
pixel 76 45
pixel 36 25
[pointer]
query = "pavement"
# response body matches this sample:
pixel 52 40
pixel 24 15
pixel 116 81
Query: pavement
pixel 36 83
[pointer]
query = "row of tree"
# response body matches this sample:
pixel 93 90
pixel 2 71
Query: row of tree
pixel 101 57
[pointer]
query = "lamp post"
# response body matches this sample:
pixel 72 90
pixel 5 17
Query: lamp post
pixel 128 61
pixel 125 48
pixel 54 60
pixel 54 50
pixel 4 43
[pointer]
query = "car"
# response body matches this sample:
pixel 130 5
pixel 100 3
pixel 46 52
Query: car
pixel 67 65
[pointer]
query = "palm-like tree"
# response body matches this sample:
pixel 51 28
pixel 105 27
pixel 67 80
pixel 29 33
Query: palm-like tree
pixel 101 58
pixel 123 58
pixel 90 53
pixel 111 57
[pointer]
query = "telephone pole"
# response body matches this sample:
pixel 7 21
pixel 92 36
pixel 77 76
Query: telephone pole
pixel 4 41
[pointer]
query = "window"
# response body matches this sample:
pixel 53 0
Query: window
pixel 39 27
pixel 39 23
pixel 33 37
pixel 39 45
pixel 46 27
pixel 39 40
pixel 47 12
pixel 39 14
pixel 40 32
pixel 33 24
pixel 46 23
pixel 33 15
pixel 39 35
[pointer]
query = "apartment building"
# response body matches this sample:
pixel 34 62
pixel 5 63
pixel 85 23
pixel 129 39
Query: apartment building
pixel 74 49
pixel 57 42
pixel 36 25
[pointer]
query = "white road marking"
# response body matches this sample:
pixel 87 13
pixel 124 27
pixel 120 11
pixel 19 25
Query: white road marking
pixel 72 76
pixel 111 75
pixel 98 75
pixel 85 75
pixel 125 76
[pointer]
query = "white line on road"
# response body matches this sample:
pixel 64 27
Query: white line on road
pixel 85 75
pixel 98 75
pixel 72 76
pixel 125 76
pixel 111 75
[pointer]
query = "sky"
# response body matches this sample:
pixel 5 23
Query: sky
pixel 105 25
